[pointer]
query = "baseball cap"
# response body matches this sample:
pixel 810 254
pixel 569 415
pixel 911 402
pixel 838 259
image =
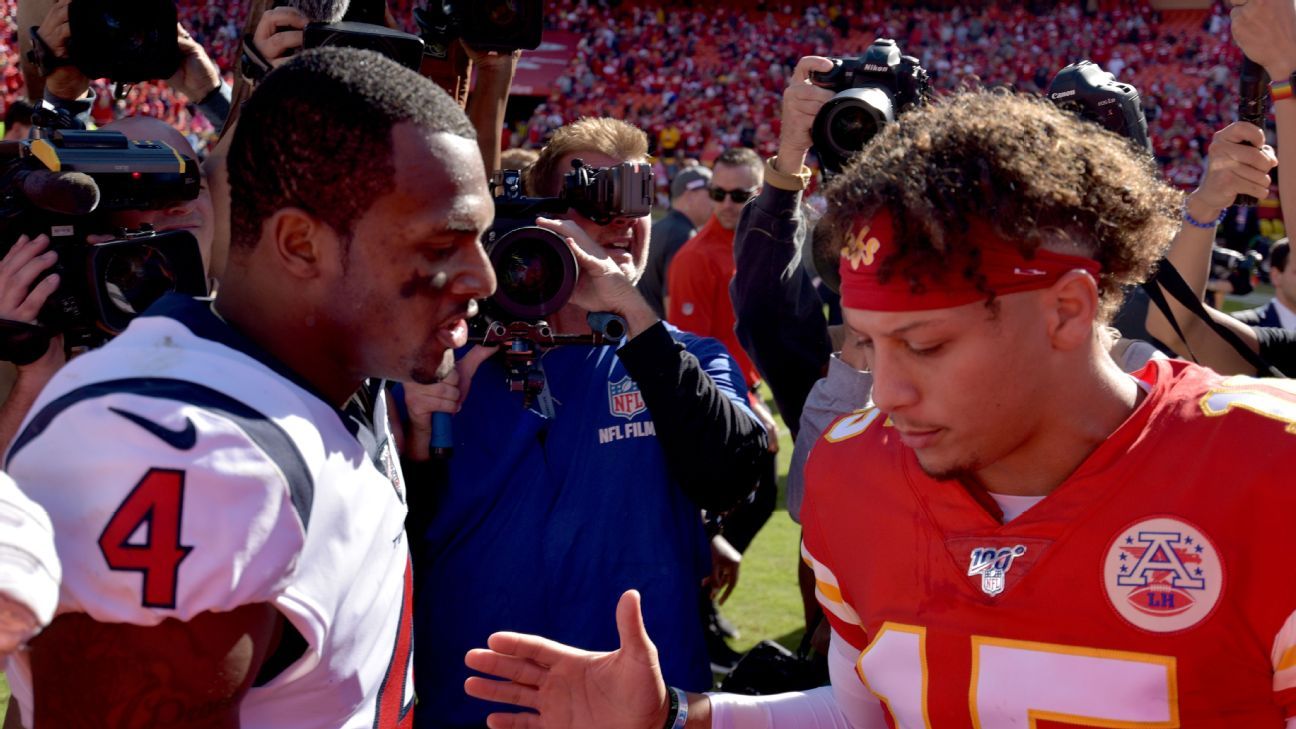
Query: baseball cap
pixel 690 178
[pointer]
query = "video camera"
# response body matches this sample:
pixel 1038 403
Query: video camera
pixel 1094 94
pixel 872 91
pixel 536 271
pixel 59 184
pixel 485 25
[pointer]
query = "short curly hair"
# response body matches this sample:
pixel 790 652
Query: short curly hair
pixel 1037 175
pixel 317 135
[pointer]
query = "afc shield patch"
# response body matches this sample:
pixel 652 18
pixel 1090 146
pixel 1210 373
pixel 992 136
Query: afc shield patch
pixel 1163 575
pixel 624 398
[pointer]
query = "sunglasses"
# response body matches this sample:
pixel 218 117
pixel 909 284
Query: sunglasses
pixel 738 196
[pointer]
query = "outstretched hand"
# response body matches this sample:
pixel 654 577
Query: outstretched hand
pixel 569 688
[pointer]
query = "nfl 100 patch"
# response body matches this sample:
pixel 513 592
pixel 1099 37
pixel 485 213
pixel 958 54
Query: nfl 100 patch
pixel 992 564
pixel 1163 574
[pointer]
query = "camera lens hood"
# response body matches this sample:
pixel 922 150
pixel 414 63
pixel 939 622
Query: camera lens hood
pixel 535 270
pixel 848 121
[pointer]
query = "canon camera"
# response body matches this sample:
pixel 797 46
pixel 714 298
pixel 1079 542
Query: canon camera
pixel 1094 94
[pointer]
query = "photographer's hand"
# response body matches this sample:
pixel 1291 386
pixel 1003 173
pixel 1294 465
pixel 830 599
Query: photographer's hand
pixel 1265 30
pixel 610 288
pixel 725 563
pixel 446 396
pixel 279 33
pixel 1239 162
pixel 801 103
pixel 20 301
pixel 197 75
pixel 66 82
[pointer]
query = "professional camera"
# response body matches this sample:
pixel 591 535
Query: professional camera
pixel 127 42
pixel 60 184
pixel 1239 269
pixel 1096 95
pixel 872 91
pixel 485 25
pixel 534 267
pixel 536 271
pixel 403 48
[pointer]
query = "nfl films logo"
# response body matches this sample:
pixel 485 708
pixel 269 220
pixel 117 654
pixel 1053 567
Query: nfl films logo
pixel 624 398
pixel 993 565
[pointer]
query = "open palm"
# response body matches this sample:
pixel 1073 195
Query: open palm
pixel 572 688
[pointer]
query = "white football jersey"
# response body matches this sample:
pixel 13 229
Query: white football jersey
pixel 186 471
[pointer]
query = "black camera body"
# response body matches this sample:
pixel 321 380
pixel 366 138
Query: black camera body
pixel 503 26
pixel 872 91
pixel 127 41
pixel 1239 269
pixel 404 48
pixel 535 270
pixel 1094 94
pixel 61 185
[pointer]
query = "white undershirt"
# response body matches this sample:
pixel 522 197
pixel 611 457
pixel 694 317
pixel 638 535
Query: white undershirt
pixel 1014 506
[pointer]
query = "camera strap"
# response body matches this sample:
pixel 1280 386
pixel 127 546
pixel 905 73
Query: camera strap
pixel 252 65
pixel 1168 277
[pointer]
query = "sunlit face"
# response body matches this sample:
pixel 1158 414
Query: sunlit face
pixel 731 178
pixel 624 240
pixel 963 387
pixel 415 262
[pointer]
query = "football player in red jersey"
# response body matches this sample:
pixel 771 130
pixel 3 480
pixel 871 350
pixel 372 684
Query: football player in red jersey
pixel 1014 533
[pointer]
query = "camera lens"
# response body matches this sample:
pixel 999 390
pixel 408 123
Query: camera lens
pixel 135 276
pixel 535 270
pixel 847 122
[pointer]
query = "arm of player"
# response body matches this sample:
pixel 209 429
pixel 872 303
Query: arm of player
pixel 191 674
pixel 568 688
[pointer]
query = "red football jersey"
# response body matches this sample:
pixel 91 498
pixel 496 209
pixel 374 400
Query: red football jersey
pixel 1154 588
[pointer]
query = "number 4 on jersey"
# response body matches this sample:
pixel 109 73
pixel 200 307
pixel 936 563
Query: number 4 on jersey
pixel 155 504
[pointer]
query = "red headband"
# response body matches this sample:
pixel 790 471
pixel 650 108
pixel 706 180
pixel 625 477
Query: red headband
pixel 1005 269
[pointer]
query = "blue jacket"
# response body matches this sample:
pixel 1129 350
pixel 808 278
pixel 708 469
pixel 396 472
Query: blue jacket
pixel 547 521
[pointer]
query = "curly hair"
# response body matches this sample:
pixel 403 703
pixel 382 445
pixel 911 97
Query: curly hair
pixel 1036 175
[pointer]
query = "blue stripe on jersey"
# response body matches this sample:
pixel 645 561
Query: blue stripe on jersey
pixel 262 431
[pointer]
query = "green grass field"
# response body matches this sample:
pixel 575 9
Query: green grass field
pixel 766 603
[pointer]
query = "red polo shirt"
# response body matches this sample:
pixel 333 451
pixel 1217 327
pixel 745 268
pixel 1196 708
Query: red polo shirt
pixel 697 291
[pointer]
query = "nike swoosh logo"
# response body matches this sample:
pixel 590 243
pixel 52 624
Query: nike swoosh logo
pixel 182 439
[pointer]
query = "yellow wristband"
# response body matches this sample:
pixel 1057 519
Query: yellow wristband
pixel 783 180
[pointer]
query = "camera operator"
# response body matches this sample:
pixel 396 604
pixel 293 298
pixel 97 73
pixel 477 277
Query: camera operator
pixel 63 84
pixel 1266 32
pixel 247 437
pixel 551 512
pixel 22 295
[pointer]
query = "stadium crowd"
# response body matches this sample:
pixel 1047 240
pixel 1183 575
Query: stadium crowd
pixel 308 425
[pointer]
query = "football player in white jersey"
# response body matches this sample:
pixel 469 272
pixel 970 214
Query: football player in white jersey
pixel 221 478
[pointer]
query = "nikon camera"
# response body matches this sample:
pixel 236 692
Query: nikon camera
pixel 535 270
pixel 60 185
pixel 872 91
pixel 1086 89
